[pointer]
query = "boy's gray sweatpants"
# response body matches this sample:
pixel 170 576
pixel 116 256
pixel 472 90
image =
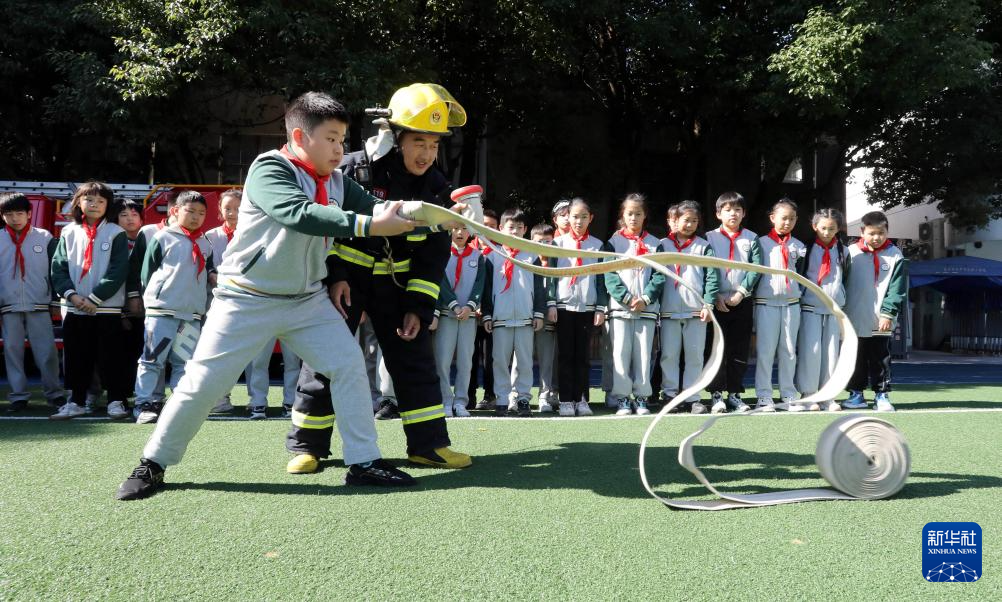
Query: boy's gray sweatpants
pixel 38 327
pixel 454 339
pixel 678 334
pixel 546 351
pixel 605 350
pixel 817 350
pixel 158 349
pixel 238 327
pixel 776 340
pixel 632 349
pixel 512 382
pixel 258 380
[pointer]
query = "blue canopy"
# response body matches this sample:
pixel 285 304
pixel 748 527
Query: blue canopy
pixel 956 274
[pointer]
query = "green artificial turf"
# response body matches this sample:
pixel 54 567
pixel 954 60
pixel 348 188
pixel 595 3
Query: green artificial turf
pixel 551 509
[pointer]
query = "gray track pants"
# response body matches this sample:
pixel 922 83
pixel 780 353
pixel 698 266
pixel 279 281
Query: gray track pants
pixel 512 382
pixel 454 339
pixel 688 334
pixel 632 349
pixel 776 340
pixel 817 350
pixel 37 325
pixel 238 327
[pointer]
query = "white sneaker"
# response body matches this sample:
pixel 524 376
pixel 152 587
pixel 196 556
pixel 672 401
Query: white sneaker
pixel 583 409
pixel 718 407
pixel 642 409
pixel 698 408
pixel 625 409
pixel 814 407
pixel 765 404
pixel 224 405
pixel 460 411
pixel 831 406
pixel 448 410
pixel 545 407
pixel 116 410
pixel 258 412
pixel 792 405
pixel 69 410
pixel 566 408
pixel 884 403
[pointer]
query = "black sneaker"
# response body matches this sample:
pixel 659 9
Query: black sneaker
pixel 144 481
pixel 379 473
pixel 17 406
pixel 387 411
pixel 523 408
pixel 501 411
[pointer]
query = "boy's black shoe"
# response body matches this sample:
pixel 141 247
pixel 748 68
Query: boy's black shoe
pixel 387 411
pixel 523 408
pixel 379 473
pixel 144 481
pixel 17 406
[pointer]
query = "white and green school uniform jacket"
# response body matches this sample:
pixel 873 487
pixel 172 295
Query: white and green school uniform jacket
pixel 470 288
pixel 678 302
pixel 626 285
pixel 173 286
pixel 774 290
pixel 746 249
pixel 587 293
pixel 875 291
pixel 281 246
pixel 525 299
pixel 217 238
pixel 834 281
pixel 29 290
pixel 104 283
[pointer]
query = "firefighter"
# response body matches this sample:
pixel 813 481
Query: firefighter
pixel 394 281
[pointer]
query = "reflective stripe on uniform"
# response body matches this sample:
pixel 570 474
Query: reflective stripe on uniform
pixel 423 286
pixel 384 268
pixel 352 255
pixel 305 421
pixel 423 414
pixel 416 237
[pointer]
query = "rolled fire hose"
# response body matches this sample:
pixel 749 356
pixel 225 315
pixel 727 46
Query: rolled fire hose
pixel 861 457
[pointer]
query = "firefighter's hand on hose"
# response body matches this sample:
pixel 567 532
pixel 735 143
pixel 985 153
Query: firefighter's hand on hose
pixel 340 294
pixel 411 327
pixel 389 223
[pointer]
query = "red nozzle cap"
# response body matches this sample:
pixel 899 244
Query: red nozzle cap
pixel 465 190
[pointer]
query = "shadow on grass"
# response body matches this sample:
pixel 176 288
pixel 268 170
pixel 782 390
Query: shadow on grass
pixel 607 469
pixel 44 431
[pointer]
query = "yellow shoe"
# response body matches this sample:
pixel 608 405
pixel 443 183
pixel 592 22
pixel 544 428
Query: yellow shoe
pixel 302 464
pixel 442 457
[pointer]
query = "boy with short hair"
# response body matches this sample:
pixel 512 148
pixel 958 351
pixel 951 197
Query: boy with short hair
pixel 546 339
pixel 514 304
pixel 175 281
pixel 455 320
pixel 734 302
pixel 26 301
pixel 271 285
pixel 876 291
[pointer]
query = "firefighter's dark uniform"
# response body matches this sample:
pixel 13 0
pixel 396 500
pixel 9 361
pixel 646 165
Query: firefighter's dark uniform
pixel 388 277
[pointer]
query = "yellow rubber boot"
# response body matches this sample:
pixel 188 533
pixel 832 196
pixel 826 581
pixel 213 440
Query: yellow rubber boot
pixel 302 464
pixel 442 457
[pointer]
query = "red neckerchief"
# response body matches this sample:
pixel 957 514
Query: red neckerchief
pixel 776 238
pixel 196 252
pixel 228 232
pixel 678 249
pixel 320 195
pixel 18 239
pixel 730 251
pixel 639 239
pixel 876 253
pixel 91 233
pixel 508 267
pixel 826 259
pixel 576 262
pixel 460 255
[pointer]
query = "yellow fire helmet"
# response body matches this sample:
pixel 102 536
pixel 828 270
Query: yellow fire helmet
pixel 427 108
